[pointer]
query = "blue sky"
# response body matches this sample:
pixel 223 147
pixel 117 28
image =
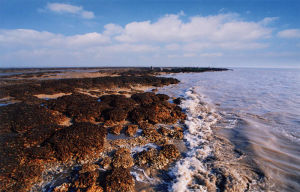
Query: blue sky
pixel 228 33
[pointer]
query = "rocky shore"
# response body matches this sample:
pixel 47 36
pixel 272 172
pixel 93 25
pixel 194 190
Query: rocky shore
pixel 88 134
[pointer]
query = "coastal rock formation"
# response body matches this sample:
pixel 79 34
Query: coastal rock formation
pixel 116 129
pixel 122 158
pixel 38 134
pixel 120 180
pixel 21 117
pixel 158 159
pixel 25 90
pixel 131 130
pixel 78 141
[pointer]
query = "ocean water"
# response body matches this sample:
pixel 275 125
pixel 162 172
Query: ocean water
pixel 258 111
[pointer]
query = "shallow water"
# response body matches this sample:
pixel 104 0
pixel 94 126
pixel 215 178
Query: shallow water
pixel 260 115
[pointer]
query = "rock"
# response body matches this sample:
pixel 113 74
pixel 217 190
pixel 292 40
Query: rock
pixel 177 101
pixel 166 132
pixel 115 115
pixel 89 168
pixel 95 188
pixel 145 98
pixel 22 117
pixel 170 151
pixel 80 107
pixel 86 180
pixel 122 158
pixel 78 141
pixel 31 135
pixel 105 163
pixel 158 159
pixel 119 102
pixel 116 129
pixel 152 134
pixel 176 133
pixel 161 112
pixel 163 97
pixel 131 130
pixel 145 157
pixel 62 188
pixel 120 180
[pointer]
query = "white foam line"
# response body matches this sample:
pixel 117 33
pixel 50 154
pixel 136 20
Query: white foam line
pixel 199 120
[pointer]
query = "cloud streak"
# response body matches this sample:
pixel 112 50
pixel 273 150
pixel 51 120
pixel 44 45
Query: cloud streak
pixel 63 8
pixel 289 33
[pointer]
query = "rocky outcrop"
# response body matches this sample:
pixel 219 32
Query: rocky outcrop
pixel 116 129
pixel 25 90
pixel 33 134
pixel 78 141
pixel 158 159
pixel 122 158
pixel 120 180
pixel 131 130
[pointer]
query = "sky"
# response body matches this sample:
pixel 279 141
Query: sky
pixel 197 33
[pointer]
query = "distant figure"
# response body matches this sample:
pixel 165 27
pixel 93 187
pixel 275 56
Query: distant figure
pixel 151 68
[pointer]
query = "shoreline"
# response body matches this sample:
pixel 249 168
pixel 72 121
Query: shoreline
pixel 150 137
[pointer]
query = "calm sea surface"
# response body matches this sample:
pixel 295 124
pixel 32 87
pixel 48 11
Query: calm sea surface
pixel 261 109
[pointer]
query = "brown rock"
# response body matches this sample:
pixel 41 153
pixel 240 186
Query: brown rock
pixel 158 159
pixel 177 101
pixel 22 117
pixel 62 188
pixel 78 141
pixel 115 115
pixel 120 180
pixel 145 157
pixel 86 180
pixel 95 188
pixel 116 129
pixel 170 151
pixel 176 133
pixel 105 163
pixel 152 134
pixel 122 158
pixel 81 107
pixel 89 168
pixel 131 130
pixel 145 98
pixel 157 112
pixel 163 97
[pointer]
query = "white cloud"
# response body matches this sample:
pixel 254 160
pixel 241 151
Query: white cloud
pixel 27 38
pixel 268 20
pixel 112 29
pixel 172 46
pixel 171 36
pixel 67 8
pixel 189 55
pixel 211 54
pixel 170 28
pixel 289 33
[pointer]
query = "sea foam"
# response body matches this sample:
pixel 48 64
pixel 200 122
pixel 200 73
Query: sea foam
pixel 200 118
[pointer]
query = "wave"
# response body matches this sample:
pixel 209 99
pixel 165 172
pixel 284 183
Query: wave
pixel 211 163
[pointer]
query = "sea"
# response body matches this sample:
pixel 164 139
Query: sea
pixel 255 111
